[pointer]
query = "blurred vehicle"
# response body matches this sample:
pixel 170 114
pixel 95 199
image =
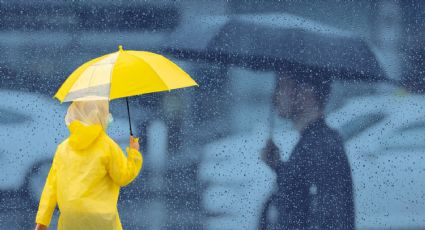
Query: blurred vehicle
pixel 31 127
pixel 385 142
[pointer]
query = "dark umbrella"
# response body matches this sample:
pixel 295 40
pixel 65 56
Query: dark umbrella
pixel 276 41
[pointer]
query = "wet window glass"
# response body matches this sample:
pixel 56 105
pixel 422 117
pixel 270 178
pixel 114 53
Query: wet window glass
pixel 254 115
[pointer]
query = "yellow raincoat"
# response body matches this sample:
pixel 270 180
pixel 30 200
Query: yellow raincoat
pixel 87 172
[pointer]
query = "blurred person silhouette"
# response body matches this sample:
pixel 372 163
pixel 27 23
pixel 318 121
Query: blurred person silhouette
pixel 87 172
pixel 314 187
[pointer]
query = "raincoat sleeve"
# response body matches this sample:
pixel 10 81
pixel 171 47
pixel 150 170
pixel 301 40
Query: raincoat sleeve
pixel 48 198
pixel 124 169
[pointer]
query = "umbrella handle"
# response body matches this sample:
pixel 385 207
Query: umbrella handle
pixel 129 119
pixel 271 121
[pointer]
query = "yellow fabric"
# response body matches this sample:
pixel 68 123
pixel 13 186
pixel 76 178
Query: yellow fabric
pixel 87 172
pixel 140 72
pixel 122 74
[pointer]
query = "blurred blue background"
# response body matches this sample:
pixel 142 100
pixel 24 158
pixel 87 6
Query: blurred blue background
pixel 201 145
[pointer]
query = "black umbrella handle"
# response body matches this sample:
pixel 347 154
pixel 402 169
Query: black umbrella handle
pixel 129 119
pixel 271 121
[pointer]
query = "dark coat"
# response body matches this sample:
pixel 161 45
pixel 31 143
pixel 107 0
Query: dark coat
pixel 315 189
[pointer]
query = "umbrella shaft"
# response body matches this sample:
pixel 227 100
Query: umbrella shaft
pixel 271 121
pixel 129 118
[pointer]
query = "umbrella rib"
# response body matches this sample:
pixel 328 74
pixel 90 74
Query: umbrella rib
pixel 151 69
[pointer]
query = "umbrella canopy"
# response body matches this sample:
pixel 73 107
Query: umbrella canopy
pixel 123 74
pixel 277 41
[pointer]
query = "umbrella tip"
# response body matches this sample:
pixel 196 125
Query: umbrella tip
pixel 120 48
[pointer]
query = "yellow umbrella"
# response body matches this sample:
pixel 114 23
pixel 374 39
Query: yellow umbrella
pixel 122 74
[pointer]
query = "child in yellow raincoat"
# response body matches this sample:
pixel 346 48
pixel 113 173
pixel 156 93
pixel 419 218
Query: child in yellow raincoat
pixel 87 172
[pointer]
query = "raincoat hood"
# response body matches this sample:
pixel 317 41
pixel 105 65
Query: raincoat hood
pixel 82 136
pixel 86 120
pixel 88 113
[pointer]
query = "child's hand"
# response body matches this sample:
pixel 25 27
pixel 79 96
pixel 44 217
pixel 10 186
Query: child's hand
pixel 40 227
pixel 134 143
